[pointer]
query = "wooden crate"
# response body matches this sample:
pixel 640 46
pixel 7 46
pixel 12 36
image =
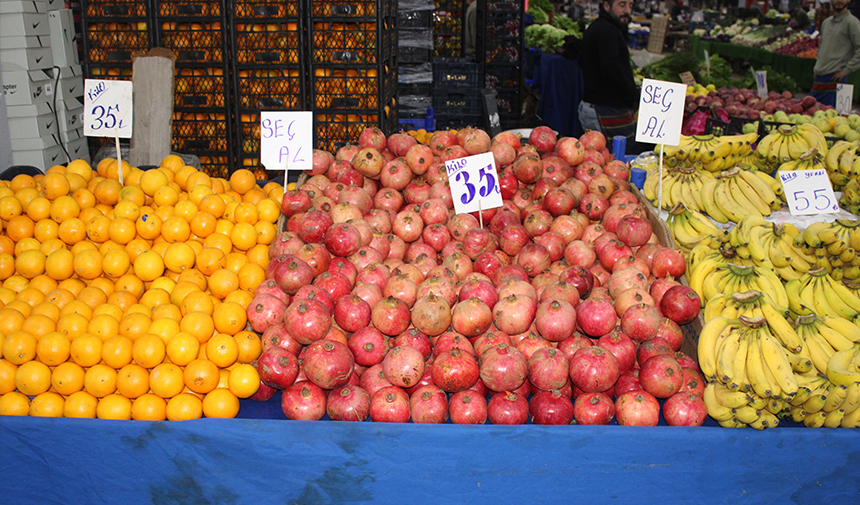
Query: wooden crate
pixel 657 36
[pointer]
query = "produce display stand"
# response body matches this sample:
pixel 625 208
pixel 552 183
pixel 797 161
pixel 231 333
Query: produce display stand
pixel 799 70
pixel 303 462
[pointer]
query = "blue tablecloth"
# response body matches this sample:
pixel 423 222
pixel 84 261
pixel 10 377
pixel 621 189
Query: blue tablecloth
pixel 559 81
pixel 267 461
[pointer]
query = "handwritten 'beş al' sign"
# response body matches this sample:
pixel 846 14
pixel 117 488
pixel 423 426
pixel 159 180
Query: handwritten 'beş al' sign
pixel 661 112
pixel 108 108
pixel 286 140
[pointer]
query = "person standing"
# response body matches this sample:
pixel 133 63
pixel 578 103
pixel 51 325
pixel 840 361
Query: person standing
pixel 470 29
pixel 610 96
pixel 838 52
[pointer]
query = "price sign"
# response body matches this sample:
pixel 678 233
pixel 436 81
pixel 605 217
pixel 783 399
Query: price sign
pixel 687 78
pixel 285 140
pixel 661 111
pixel 844 98
pixel 808 192
pixel 761 83
pixel 474 183
pixel 108 108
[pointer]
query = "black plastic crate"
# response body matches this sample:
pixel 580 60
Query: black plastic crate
pixel 190 8
pixel 352 42
pixel 215 163
pixel 271 88
pixel 456 72
pixel 504 5
pixel 413 54
pixel 335 128
pixel 111 42
pixel 194 42
pixel 273 43
pixel 447 23
pixel 415 89
pixel 204 87
pixel 265 9
pixel 454 101
pixel 508 102
pixel 112 9
pixel 716 127
pixel 415 19
pixel 201 131
pixel 353 8
pixel 502 76
pixel 505 51
pixel 349 88
pixel 503 24
pixel 458 121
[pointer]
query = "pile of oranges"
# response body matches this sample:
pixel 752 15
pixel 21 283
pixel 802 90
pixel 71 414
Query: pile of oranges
pixel 128 300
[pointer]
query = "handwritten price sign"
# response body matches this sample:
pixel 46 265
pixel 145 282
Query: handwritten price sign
pixel 808 192
pixel 844 98
pixel 285 140
pixel 761 83
pixel 108 108
pixel 661 112
pixel 474 183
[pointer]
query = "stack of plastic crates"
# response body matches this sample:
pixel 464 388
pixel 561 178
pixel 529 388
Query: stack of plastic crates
pixel 457 93
pixel 196 31
pixel 352 70
pixel 112 33
pixel 415 50
pixel 270 68
pixel 500 28
pixel 448 28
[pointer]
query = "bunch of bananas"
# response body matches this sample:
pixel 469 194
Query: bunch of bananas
pixel 769 245
pixel 723 253
pixel 850 199
pixel 817 292
pixel 715 153
pixel 738 192
pixel 843 367
pixel 843 163
pixel 812 160
pixel 690 228
pixel 710 278
pixel 748 304
pixel 833 246
pixel 823 337
pixel 789 142
pixel 680 185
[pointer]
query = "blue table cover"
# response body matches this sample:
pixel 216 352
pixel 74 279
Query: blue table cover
pixel 273 460
pixel 559 81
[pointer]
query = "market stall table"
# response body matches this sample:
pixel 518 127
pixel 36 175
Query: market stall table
pixel 45 460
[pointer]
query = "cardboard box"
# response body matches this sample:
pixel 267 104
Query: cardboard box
pixel 71 136
pixel 63 47
pixel 31 58
pixel 79 149
pixel 35 143
pixel 23 24
pixel 24 6
pixel 40 158
pixel 70 87
pixel 24 42
pixel 34 126
pixel 24 87
pixel 38 109
pixel 53 5
pixel 70 119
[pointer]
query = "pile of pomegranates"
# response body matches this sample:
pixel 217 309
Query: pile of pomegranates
pixel 381 302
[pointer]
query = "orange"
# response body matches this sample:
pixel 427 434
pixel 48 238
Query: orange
pixel 181 175
pixel 266 232
pixel 148 266
pixel 243 298
pixel 186 209
pixel 71 231
pixel 59 297
pixel 122 230
pixel 179 256
pixel 6 295
pixel 103 284
pixel 53 348
pixel 225 227
pixel 219 241
pixel 76 182
pixel 163 283
pixel 184 407
pixel 92 296
pixel 107 191
pixel 109 245
pixel 210 260
pixel 127 209
pixel 114 406
pixel 54 186
pixel 154 297
pixel 159 246
pixel 132 381
pixel 242 181
pixel 68 378
pixel 43 283
pixel 167 311
pixel 52 244
pixel 19 347
pixel 31 296
pixel 197 301
pixel 33 378
pixel 201 178
pixel 16 283
pixel 88 264
pixel 213 205
pixel 165 328
pixel 7 376
pixel 166 196
pixel 235 262
pixel 14 404
pixel 122 299
pixel 139 309
pixel 220 403
pixel 222 282
pixel 80 167
pixel 148 350
pixel 116 352
pixel 200 325
pixel 269 210
pixel 149 407
pixel 21 227
pixel 76 307
pixel 22 181
pixel 85 198
pixel 151 181
pixel 222 350
pixel 26 195
pixel 10 207
pixel 195 277
pixel 112 170
pixel 172 162
pixel 39 208
pixel 246 213
pixel 84 245
pixel 65 207
pixel 47 404
pixel 72 325
pixel 130 283
pixel 148 226
pixel 22 307
pixel 166 380
pixel 203 224
pixel 74 286
pixel 59 265
pixel 182 348
pixel 250 346
pixel 180 291
pixel 254 196
pixel 134 325
pixel 251 276
pixel 100 380
pixel 107 309
pixel 30 263
pixel 135 247
pixel 26 244
pixel 201 376
pixel 132 180
pixel 244 381
pixel 132 194
pixel 86 350
pixel 7 266
pixel 81 404
pixel 116 263
pixel 164 213
pixel 47 309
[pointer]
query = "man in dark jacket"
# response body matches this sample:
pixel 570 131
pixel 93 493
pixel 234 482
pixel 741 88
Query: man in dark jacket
pixel 609 87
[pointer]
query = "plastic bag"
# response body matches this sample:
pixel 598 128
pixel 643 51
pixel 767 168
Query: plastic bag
pixel 694 124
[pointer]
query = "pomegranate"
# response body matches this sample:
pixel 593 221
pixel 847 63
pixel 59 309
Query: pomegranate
pixel 368 346
pixel 414 338
pixel 292 273
pixel 668 262
pixel 570 345
pixel 304 401
pixel 593 409
pixel 543 138
pixel 633 230
pixel 429 404
pixel 596 317
pixel 277 367
pixel 550 408
pixel 390 405
pixel 593 141
pixel 670 331
pixel 681 304
pixel 527 168
pixel 580 277
pixel 348 403
pixel 454 370
pixel 659 287
pixel 308 320
pixel 391 316
pixel 476 141
pixel 628 381
pixel 684 409
pixel 570 150
pixel 264 311
pixel 419 157
pixel 403 366
pixel 431 315
pixel 400 143
pixel 270 287
pixel 637 408
pixel 342 239
pixel 467 407
pixel 694 382
pixel 555 320
pixel 621 346
pixel 514 314
pixel 593 205
pixel 661 375
pixel 594 369
pixel 263 394
pixel 352 313
pixel 471 317
pixel 534 258
pixel 508 408
pixel 641 322
pixel 548 368
pixel 503 368
pixel 279 336
pixel 328 364
pixel 373 379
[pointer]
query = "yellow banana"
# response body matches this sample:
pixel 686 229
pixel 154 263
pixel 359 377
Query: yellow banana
pixel 777 362
pixel 715 409
pixel 726 357
pixel 707 344
pixel 746 414
pixel 782 329
pixel 836 340
pixel 815 403
pixel 834 418
pixel 729 399
pixel 815 420
pixel 838 367
pixel 851 419
pixel 835 397
pixel 852 398
pixel 709 201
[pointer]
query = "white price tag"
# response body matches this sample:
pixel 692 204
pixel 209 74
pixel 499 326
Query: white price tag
pixel 761 83
pixel 844 98
pixel 286 140
pixel 661 112
pixel 108 108
pixel 474 183
pixel 808 192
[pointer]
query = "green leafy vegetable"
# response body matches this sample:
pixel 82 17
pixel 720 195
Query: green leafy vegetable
pixel 566 24
pixel 539 16
pixel 547 38
pixel 670 67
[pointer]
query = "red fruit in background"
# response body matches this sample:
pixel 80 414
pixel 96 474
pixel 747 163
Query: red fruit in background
pixel 670 331
pixel 390 405
pixel 303 401
pixel 467 407
pixel 628 381
pixel 352 313
pixel 348 403
pixel 596 317
pixel 686 361
pixel 265 311
pixel 633 230
pixel 694 382
pixel 441 140
pixel 594 369
pixel 292 273
pixel 641 322
pixel 277 367
pixel 593 409
pixel 593 141
pixel 593 206
pixel 681 304
pixel 543 138
pixel 570 150
pixel 307 320
pixel 328 364
pixel 548 369
pixel 414 338
pixel 372 137
pixel 621 346
pixel 580 278
pixel 391 316
pixel 503 368
pixel 295 202
pixel 508 408
pixel 322 160
pixel 653 347
pixel 684 409
pixel 373 379
pixel 368 346
pixel 455 370
pixel 550 408
pixel 403 366
pixel 264 394
pixel 527 168
pixel 668 262
pixel 661 375
pixel 637 408
pixel 399 143
pixel 429 404
pixel 659 287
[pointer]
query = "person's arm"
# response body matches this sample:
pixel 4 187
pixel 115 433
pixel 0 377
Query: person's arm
pixel 613 73
pixel 854 64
